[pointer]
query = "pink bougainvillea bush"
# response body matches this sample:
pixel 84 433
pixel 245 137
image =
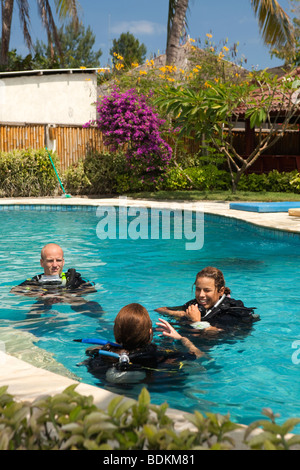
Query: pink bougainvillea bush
pixel 126 118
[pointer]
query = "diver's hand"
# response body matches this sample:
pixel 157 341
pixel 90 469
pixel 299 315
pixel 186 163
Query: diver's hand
pixel 193 313
pixel 167 329
pixel 212 330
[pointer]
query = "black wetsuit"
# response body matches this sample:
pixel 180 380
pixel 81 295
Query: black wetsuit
pixel 73 280
pixel 69 288
pixel 228 313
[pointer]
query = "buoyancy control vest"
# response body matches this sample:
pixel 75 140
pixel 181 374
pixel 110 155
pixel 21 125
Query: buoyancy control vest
pixel 226 312
pixel 120 366
pixel 70 280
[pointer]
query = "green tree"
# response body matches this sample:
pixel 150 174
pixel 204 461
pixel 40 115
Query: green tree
pixel 129 48
pixel 63 8
pixel 76 46
pixel 274 24
pixel 213 111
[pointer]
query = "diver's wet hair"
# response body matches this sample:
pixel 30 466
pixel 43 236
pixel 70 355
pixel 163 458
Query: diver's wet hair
pixel 132 327
pixel 215 274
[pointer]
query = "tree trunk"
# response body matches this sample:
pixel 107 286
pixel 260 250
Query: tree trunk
pixel 236 179
pixel 7 12
pixel 176 30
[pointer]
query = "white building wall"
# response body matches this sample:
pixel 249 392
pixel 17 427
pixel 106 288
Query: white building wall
pixel 58 98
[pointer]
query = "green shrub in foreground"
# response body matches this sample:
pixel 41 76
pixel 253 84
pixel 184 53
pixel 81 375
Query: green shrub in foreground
pixel 70 421
pixel 26 173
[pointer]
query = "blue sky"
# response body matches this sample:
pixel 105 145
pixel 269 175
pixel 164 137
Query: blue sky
pixel 147 20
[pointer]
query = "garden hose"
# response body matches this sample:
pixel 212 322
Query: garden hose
pixel 64 195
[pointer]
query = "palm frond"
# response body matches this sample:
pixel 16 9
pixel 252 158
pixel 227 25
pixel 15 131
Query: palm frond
pixel 66 8
pixel 274 23
pixel 25 21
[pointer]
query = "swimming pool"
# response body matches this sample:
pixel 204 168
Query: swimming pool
pixel 241 375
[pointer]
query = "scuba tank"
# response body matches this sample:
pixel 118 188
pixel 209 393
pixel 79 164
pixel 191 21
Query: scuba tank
pixel 122 371
pixel 71 277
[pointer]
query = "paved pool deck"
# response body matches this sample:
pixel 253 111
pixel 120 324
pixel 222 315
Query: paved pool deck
pixel 27 382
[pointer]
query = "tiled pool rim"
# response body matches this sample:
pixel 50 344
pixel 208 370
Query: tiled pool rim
pixel 27 382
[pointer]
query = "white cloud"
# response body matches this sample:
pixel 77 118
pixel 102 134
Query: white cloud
pixel 138 27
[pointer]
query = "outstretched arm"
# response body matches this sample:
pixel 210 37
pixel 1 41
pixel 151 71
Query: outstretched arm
pixel 170 332
pixel 169 311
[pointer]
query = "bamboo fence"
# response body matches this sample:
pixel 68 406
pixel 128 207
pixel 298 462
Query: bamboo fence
pixel 71 144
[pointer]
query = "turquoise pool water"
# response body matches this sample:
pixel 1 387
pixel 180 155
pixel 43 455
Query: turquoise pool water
pixel 241 375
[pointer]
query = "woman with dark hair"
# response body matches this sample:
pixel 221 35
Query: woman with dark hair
pixel 212 310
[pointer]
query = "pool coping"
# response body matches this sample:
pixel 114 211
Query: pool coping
pixel 17 374
pixel 280 221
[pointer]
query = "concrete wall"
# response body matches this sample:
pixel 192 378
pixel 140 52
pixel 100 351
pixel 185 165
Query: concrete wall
pixel 58 98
